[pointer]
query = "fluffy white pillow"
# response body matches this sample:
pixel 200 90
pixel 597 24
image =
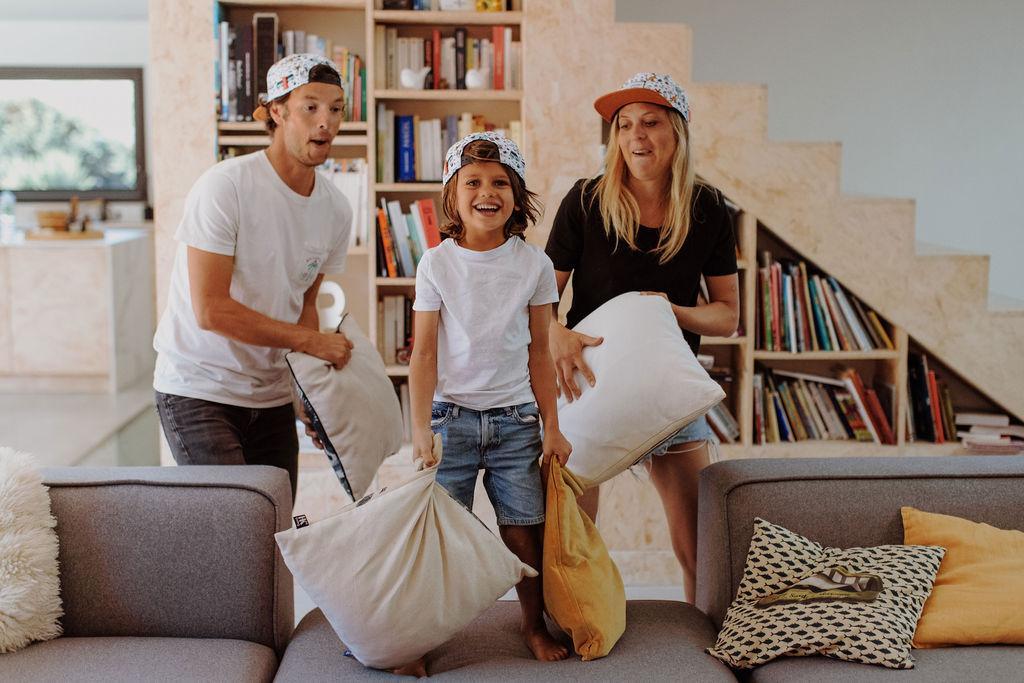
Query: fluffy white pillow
pixel 29 579
pixel 401 571
pixel 649 385
pixel 354 410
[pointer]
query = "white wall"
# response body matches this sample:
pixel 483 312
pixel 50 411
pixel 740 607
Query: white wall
pixel 79 43
pixel 926 96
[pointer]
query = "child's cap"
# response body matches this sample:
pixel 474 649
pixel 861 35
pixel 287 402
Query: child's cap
pixel 508 154
pixel 645 86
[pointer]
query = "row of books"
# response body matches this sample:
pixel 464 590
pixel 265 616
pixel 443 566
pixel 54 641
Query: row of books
pixel 448 5
pixel 246 51
pixel 495 60
pixel 794 406
pixel 723 423
pixel 989 434
pixel 394 325
pixel 351 176
pixel 403 238
pixel 801 311
pixel 411 149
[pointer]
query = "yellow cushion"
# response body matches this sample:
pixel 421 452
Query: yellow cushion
pixel 978 595
pixel 583 590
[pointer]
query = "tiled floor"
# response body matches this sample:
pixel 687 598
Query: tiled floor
pixel 77 429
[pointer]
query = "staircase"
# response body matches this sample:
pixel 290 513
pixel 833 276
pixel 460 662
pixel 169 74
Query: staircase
pixel 940 297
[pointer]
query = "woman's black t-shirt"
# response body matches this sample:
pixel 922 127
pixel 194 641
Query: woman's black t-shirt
pixel 602 269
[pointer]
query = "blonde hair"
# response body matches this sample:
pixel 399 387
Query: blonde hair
pixel 620 211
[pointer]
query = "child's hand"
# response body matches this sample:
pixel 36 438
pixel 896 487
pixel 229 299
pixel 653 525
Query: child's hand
pixel 423 446
pixel 556 446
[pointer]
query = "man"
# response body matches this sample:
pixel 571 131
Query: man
pixel 258 234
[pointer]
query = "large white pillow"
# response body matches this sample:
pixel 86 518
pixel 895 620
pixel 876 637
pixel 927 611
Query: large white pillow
pixel 354 410
pixel 649 385
pixel 401 571
pixel 29 579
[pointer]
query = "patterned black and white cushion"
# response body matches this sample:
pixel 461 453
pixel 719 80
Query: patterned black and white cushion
pixel 802 613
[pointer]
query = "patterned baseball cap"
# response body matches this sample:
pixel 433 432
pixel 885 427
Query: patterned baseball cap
pixel 645 86
pixel 508 154
pixel 287 75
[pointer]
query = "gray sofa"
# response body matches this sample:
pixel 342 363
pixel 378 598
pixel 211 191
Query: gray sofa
pixel 167 574
pixel 853 502
pixel 172 574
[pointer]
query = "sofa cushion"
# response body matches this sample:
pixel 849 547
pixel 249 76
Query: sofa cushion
pixel 799 598
pixel 947 665
pixel 29 578
pixel 649 385
pixel 583 589
pixel 173 551
pixel 109 660
pixel 979 592
pixel 357 434
pixel 664 641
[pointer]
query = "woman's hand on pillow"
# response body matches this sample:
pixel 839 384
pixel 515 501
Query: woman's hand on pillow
pixel 423 446
pixel 556 446
pixel 567 352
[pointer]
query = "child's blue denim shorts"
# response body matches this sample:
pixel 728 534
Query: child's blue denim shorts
pixel 506 444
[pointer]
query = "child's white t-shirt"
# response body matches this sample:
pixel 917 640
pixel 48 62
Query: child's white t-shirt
pixel 484 333
pixel 280 241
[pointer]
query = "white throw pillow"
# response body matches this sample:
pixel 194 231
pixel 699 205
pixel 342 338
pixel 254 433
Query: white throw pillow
pixel 354 410
pixel 29 578
pixel 401 571
pixel 649 385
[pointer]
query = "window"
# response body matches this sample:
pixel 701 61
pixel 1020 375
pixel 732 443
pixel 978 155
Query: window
pixel 71 131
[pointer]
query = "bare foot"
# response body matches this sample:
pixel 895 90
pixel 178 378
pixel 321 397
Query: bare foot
pixel 543 646
pixel 417 669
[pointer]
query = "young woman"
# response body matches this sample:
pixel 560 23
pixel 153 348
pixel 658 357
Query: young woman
pixel 644 225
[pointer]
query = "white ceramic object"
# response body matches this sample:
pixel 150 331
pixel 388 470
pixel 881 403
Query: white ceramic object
pixel 478 79
pixel 413 79
pixel 330 314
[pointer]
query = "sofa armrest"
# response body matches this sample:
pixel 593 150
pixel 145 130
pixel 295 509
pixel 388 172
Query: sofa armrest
pixel 173 551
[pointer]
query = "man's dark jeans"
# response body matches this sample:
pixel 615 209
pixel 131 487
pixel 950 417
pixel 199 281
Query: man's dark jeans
pixel 207 433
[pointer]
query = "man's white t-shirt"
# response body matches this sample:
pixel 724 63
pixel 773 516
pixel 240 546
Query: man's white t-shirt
pixel 280 241
pixel 484 333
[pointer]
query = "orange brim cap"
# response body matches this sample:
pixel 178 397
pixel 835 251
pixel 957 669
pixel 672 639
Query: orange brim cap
pixel 607 105
pixel 646 86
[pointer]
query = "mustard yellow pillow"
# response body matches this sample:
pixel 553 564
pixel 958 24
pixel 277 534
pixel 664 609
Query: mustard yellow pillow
pixel 978 595
pixel 583 589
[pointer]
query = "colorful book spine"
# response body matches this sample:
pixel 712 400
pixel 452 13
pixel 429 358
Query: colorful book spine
pixel 406 149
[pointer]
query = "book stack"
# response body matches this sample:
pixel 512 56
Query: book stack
pixel 794 406
pixel 403 238
pixel 246 51
pixel 351 177
pixel 798 311
pixel 720 418
pixel 931 416
pixel 989 434
pixel 446 59
pixel 394 320
pixel 411 149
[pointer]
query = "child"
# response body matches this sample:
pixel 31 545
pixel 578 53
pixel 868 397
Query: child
pixel 483 305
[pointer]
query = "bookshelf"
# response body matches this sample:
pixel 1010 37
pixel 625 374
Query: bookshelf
pixel 357 23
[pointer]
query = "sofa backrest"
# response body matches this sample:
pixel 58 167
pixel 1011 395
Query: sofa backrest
pixel 173 551
pixel 840 502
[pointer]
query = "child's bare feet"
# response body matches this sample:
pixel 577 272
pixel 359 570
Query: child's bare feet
pixel 543 646
pixel 417 669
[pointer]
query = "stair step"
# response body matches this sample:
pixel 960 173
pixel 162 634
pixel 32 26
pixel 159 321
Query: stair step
pixel 793 172
pixel 737 111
